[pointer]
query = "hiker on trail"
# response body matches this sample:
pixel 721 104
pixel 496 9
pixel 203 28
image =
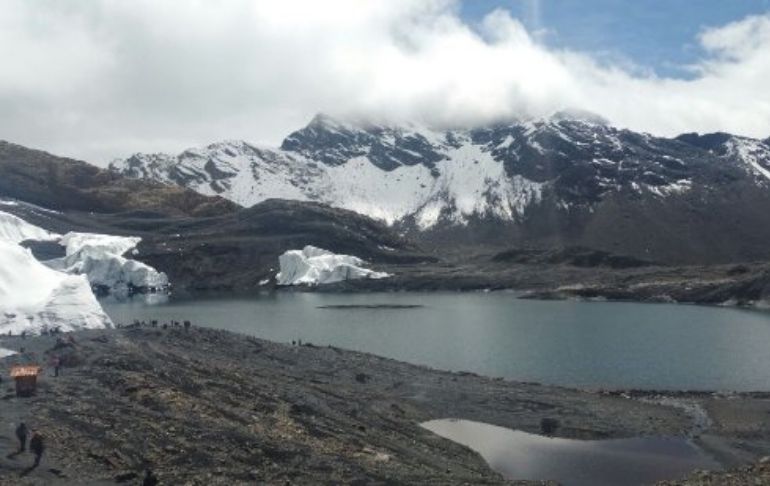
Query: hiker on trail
pixel 37 447
pixel 149 478
pixel 21 434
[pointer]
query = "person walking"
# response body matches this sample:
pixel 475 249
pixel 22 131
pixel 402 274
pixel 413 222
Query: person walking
pixel 21 434
pixel 149 478
pixel 37 447
pixel 55 363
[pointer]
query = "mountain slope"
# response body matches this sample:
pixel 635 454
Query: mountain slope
pixel 60 183
pixel 566 180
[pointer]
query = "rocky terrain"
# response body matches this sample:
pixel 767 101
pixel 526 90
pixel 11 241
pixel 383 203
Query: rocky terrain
pixel 579 274
pixel 210 407
pixel 755 474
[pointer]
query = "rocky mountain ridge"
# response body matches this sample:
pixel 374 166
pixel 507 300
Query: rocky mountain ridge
pixel 561 181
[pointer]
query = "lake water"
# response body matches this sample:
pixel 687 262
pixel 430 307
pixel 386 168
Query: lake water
pixel 572 343
pixel 618 462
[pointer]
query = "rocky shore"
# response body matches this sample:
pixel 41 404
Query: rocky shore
pixel 211 407
pixel 742 285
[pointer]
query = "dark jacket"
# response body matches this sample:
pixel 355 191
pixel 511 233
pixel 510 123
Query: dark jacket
pixel 149 479
pixel 21 432
pixel 36 444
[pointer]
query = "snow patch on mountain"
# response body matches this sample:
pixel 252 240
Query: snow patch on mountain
pixel 16 230
pixel 101 258
pixel 34 297
pixel 315 266
pixel 471 182
pixel 754 153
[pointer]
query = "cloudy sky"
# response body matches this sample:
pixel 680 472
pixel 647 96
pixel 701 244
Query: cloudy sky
pixel 98 79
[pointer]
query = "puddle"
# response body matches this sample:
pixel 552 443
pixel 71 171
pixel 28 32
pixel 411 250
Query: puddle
pixel 616 462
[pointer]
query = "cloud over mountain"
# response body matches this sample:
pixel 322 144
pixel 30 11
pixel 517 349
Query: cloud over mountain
pixel 102 78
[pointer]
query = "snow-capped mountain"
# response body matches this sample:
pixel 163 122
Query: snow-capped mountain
pixel 426 178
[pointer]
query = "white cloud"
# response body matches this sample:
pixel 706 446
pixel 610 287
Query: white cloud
pixel 102 78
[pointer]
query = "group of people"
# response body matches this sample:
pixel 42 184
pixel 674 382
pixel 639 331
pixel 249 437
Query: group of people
pixel 36 443
pixel 45 331
pixel 154 323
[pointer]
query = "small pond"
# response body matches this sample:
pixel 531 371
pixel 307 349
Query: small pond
pixel 616 462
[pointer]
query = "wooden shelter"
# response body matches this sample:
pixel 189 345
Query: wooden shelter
pixel 26 379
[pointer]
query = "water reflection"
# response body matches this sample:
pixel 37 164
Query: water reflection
pixel 519 455
pixel 140 299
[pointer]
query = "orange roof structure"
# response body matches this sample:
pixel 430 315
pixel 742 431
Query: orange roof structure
pixel 22 371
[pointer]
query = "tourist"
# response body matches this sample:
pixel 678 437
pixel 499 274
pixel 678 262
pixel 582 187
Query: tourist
pixel 56 362
pixel 21 434
pixel 37 447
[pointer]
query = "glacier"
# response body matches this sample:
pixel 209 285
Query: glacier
pixel 101 258
pixel 34 297
pixel 98 256
pixel 16 230
pixel 315 266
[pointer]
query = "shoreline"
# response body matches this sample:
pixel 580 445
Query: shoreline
pixel 346 288
pixel 214 407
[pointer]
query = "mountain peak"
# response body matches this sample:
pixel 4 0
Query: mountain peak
pixel 325 121
pixel 578 115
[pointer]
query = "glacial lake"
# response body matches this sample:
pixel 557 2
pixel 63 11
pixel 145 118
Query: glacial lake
pixel 570 343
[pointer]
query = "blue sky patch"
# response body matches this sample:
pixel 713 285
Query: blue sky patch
pixel 657 36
